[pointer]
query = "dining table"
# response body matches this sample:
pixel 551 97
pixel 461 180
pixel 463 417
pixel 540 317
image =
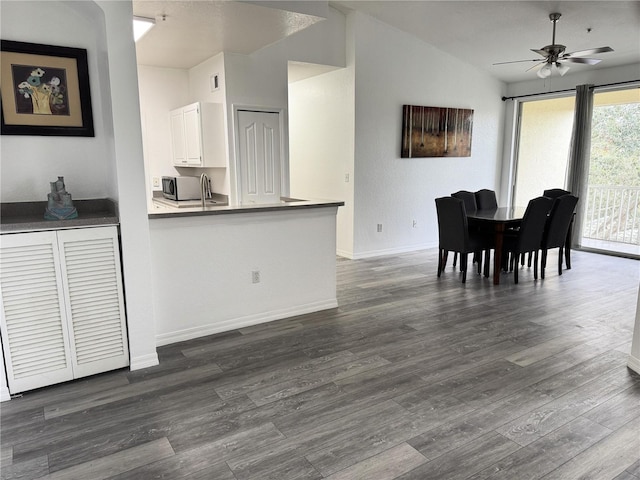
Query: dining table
pixel 498 220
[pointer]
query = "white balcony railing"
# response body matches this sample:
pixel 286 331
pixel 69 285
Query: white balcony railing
pixel 613 214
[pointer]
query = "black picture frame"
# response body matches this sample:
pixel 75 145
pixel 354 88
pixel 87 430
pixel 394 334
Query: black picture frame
pixel 44 90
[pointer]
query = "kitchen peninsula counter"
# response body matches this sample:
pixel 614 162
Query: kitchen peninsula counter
pixel 227 267
pixel 163 209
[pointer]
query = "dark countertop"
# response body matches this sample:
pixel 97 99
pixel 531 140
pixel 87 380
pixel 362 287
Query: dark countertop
pixel 162 210
pixel 21 217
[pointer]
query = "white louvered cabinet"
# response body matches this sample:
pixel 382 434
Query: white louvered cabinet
pixel 63 311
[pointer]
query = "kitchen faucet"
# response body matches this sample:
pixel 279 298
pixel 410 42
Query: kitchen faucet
pixel 205 188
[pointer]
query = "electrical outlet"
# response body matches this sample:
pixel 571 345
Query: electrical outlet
pixel 379 227
pixel 156 182
pixel 255 276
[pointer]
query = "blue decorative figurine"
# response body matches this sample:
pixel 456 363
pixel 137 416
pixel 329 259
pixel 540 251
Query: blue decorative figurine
pixel 60 206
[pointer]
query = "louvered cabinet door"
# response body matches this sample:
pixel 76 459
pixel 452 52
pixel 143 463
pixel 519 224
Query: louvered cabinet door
pixel 34 324
pixel 94 295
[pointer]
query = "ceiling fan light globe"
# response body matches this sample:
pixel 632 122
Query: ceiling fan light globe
pixel 545 71
pixel 562 69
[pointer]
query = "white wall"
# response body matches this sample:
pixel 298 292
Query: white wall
pixel 321 136
pixel 161 90
pixel 392 69
pixel 29 163
pixel 126 137
pixel 211 260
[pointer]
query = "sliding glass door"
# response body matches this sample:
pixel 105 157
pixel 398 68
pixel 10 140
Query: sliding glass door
pixel 611 219
pixel 612 214
pixel 543 147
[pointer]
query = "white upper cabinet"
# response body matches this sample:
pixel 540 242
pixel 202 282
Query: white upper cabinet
pixel 198 135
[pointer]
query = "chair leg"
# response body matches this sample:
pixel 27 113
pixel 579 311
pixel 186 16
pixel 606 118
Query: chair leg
pixel 441 255
pixel 463 266
pixel 455 258
pixel 529 260
pixel 515 270
pixel 478 257
pixel 535 264
pixel 487 259
pixel 560 253
pixel 567 257
pixel 543 263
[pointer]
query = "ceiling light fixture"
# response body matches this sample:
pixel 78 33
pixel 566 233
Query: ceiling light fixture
pixel 141 25
pixel 545 71
pixel 562 69
pixel 550 67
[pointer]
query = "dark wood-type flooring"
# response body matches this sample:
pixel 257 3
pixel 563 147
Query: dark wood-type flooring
pixel 411 377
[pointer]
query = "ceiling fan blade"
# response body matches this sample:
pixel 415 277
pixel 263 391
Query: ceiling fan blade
pixel 587 61
pixel 521 61
pixel 544 53
pixel 536 67
pixel 591 51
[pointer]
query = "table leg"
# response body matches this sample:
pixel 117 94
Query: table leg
pixel 497 255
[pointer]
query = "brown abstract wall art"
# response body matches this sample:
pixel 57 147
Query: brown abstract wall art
pixel 436 132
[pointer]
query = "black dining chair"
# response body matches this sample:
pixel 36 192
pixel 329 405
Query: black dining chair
pixel 469 199
pixel 453 235
pixel 556 229
pixel 555 193
pixel 486 199
pixel 527 238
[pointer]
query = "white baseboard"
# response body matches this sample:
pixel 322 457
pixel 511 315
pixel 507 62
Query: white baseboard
pixel 393 251
pixel 345 254
pixel 4 394
pixel 634 364
pixel 144 361
pixel 241 322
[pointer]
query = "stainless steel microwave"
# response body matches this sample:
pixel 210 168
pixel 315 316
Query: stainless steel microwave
pixel 181 188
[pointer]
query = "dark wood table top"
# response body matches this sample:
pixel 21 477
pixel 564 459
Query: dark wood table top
pixel 500 214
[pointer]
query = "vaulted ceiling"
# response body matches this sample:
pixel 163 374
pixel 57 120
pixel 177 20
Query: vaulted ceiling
pixel 478 32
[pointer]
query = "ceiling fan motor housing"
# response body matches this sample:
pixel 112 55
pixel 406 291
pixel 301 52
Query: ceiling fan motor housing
pixel 554 51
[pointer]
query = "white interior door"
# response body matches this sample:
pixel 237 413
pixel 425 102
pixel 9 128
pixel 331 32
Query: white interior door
pixel 259 160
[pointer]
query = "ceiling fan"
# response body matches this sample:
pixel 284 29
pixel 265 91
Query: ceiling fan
pixel 555 58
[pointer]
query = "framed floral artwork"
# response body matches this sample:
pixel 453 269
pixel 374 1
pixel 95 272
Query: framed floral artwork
pixel 44 90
